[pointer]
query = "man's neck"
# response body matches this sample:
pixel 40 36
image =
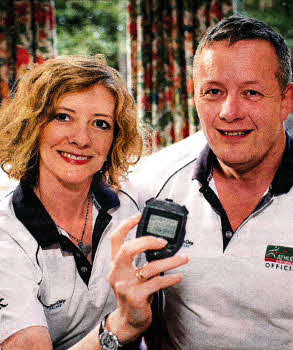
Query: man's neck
pixel 240 190
pixel 255 172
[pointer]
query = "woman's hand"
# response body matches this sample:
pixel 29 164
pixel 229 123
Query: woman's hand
pixel 134 288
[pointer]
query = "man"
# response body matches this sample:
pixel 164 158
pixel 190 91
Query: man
pixel 236 291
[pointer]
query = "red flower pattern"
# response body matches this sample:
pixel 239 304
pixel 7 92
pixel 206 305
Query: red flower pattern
pixel 22 57
pixel 161 59
pixel 42 34
pixel 21 9
pixel 44 15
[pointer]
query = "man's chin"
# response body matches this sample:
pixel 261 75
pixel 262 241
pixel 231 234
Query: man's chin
pixel 241 165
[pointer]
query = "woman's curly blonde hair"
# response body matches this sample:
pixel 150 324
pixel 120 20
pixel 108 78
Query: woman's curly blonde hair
pixel 33 106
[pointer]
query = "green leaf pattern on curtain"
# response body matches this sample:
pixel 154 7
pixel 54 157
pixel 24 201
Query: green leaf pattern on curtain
pixel 27 36
pixel 163 36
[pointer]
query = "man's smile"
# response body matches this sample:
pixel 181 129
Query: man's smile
pixel 234 132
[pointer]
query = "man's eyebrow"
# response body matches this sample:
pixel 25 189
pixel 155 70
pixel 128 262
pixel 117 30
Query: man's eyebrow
pixel 211 82
pixel 219 82
pixel 251 82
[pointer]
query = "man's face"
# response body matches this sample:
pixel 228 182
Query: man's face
pixel 239 102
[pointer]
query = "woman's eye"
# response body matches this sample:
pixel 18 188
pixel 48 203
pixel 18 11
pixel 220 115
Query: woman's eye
pixel 102 124
pixel 213 92
pixel 63 117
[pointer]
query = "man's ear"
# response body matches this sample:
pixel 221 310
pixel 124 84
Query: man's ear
pixel 287 102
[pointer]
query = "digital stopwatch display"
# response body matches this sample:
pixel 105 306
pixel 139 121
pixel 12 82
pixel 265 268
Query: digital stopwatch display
pixel 162 226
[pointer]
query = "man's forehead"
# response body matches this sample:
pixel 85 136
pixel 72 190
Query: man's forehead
pixel 246 52
pixel 246 62
pixel 226 44
pixel 258 45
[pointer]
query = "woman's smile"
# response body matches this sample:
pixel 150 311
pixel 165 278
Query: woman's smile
pixel 74 158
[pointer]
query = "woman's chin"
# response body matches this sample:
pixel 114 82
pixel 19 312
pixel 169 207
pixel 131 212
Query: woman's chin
pixel 75 180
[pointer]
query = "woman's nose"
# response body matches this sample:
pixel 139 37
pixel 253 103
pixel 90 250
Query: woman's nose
pixel 80 135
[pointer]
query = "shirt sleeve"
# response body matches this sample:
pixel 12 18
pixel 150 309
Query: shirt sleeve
pixel 19 286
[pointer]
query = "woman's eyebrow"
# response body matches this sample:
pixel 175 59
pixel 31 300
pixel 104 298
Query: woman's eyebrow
pixel 95 114
pixel 67 109
pixel 103 115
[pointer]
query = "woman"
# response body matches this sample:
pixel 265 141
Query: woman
pixel 69 134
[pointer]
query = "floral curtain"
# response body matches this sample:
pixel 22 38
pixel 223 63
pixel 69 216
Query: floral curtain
pixel 27 36
pixel 162 36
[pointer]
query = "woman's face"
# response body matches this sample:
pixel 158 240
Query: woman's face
pixel 75 144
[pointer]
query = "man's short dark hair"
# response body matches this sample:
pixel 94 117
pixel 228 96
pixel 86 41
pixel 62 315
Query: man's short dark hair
pixel 236 28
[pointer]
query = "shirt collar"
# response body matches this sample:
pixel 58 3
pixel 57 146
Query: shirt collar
pixel 283 179
pixel 204 166
pixel 32 214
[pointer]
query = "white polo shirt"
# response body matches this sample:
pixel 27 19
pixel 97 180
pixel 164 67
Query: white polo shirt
pixel 237 289
pixel 45 280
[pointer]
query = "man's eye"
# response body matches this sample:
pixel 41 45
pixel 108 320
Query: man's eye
pixel 102 124
pixel 252 93
pixel 211 93
pixel 63 117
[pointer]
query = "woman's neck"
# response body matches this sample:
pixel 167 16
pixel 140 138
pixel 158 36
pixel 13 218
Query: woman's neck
pixel 63 201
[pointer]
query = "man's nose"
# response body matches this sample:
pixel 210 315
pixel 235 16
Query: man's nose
pixel 230 109
pixel 80 135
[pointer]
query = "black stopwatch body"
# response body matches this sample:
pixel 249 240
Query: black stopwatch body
pixel 163 219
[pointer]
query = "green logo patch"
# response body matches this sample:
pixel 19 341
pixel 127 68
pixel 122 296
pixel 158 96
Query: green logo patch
pixel 279 254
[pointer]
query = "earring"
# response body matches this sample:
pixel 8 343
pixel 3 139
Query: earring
pixel 105 166
pixel 100 173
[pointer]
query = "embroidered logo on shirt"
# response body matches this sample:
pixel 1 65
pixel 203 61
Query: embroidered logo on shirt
pixel 278 257
pixel 187 243
pixel 2 305
pixel 54 306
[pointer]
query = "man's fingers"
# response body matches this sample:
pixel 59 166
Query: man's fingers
pixel 118 236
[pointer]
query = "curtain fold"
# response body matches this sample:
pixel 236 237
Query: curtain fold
pixel 163 36
pixel 27 36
